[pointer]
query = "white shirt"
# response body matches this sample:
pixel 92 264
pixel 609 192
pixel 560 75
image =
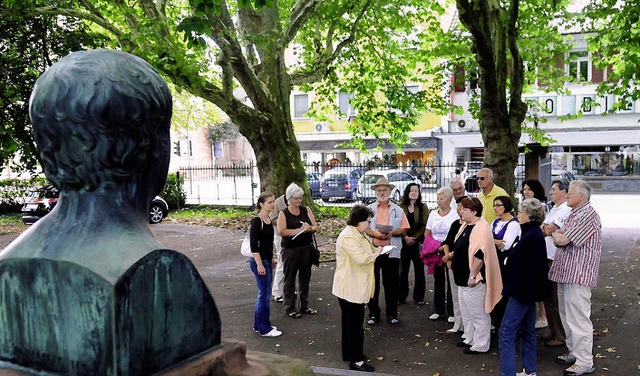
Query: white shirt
pixel 511 233
pixel 439 225
pixel 556 216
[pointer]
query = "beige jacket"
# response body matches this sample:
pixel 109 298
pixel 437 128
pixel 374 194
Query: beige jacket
pixel 482 238
pixel 353 278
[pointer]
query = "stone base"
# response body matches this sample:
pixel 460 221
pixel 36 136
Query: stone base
pixel 230 358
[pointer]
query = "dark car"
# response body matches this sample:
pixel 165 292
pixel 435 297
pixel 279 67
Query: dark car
pixel 314 179
pixel 41 201
pixel 341 183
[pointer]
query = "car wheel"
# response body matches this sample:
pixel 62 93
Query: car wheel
pixel 396 196
pixel 156 215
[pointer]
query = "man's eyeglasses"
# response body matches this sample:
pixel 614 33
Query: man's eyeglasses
pixel 481 178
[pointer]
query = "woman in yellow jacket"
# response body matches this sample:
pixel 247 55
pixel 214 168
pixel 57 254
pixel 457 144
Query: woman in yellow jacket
pixel 353 284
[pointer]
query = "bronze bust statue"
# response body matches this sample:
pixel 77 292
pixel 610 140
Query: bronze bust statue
pixel 88 290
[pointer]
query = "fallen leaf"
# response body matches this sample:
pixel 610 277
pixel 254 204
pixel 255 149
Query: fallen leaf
pixel 611 349
pixel 380 358
pixel 426 344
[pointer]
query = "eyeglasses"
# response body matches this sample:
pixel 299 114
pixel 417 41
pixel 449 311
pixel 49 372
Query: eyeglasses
pixel 494 205
pixel 481 178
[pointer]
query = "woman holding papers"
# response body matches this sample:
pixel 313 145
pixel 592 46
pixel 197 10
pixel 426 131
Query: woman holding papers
pixel 353 284
pixel 296 225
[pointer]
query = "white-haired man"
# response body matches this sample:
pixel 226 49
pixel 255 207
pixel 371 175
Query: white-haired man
pixel 575 269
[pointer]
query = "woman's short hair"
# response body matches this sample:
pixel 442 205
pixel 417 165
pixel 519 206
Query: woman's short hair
pixel 447 192
pixel 359 213
pixel 263 198
pixel 473 204
pixel 506 201
pixel 293 190
pixel 533 208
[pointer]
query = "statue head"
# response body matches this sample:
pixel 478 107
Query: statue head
pixel 102 118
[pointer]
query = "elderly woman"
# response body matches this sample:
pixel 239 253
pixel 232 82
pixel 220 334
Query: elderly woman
pixel 448 260
pixel 532 188
pixel 353 284
pixel 296 225
pixel 506 232
pixel 417 213
pixel 525 284
pixel 477 274
pixel 438 226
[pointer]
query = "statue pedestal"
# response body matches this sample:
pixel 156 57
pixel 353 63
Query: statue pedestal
pixel 228 358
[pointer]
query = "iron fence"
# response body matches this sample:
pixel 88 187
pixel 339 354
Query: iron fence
pixel 239 184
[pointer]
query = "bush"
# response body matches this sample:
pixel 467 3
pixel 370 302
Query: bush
pixel 14 191
pixel 173 193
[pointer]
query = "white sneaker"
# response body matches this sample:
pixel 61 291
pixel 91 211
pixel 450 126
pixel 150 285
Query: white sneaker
pixel 524 373
pixel 273 333
pixel 435 316
pixel 541 324
pixel 451 319
pixel 576 370
pixel 567 358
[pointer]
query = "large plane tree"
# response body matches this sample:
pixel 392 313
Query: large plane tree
pixel 246 56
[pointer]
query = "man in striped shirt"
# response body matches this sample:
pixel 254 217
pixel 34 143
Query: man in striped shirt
pixel 575 269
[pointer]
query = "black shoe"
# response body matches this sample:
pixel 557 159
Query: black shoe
pixel 473 352
pixel 463 344
pixel 365 367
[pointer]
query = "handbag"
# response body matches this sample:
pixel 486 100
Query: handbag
pixel 315 253
pixel 245 248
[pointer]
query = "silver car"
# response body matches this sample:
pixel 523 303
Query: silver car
pixel 398 178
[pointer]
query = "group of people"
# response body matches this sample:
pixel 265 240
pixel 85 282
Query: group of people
pixel 490 266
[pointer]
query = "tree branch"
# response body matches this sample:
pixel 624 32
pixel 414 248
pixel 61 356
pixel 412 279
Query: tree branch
pixel 73 13
pixel 329 55
pixel 300 13
pixel 517 107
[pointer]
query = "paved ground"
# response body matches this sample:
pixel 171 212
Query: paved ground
pixel 416 346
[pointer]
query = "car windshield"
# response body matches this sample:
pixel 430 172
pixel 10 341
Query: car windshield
pixel 371 178
pixel 43 194
pixel 335 175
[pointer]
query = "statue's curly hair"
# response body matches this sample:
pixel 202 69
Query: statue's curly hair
pixel 100 117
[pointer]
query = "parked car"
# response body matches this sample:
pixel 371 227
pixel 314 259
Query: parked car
pixel 314 179
pixel 396 177
pixel 41 201
pixel 158 210
pixel 340 182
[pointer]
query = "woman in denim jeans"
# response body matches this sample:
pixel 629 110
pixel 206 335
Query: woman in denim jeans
pixel 525 283
pixel 261 263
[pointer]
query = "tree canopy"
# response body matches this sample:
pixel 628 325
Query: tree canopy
pixel 28 46
pixel 234 54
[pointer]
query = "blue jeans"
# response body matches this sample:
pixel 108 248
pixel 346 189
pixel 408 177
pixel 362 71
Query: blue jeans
pixel 261 322
pixel 519 320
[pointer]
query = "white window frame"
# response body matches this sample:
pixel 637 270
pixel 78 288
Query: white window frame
pixel 577 61
pixel 296 115
pixel 409 88
pixel 350 111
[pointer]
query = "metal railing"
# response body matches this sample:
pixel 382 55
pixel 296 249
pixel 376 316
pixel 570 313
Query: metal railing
pixel 238 184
